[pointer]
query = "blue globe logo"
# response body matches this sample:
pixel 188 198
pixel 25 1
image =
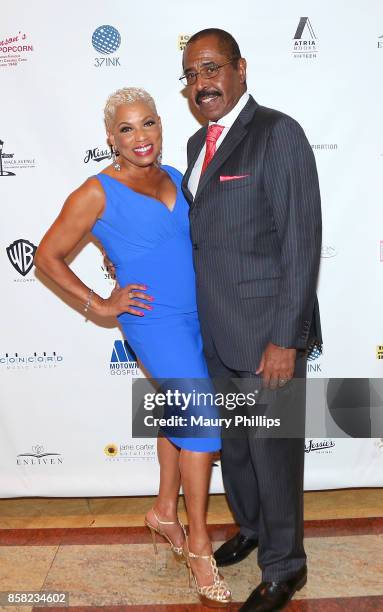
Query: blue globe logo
pixel 106 39
pixel 314 351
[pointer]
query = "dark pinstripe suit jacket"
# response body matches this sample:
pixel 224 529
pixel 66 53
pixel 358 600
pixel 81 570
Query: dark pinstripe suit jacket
pixel 256 239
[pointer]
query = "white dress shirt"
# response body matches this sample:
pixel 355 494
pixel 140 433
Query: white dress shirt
pixel 227 121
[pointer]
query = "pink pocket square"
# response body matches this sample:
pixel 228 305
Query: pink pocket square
pixel 233 178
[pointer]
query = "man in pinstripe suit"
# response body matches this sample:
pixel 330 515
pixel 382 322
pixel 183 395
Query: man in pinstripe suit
pixel 255 221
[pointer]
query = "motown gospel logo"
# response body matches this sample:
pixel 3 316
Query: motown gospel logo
pixel 380 42
pixel 305 41
pixel 20 254
pixel 123 361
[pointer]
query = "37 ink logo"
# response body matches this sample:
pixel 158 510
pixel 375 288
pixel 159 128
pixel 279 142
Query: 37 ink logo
pixel 305 40
pixel 380 42
pixel 21 254
pixel 106 40
pixel 314 352
pixel 123 361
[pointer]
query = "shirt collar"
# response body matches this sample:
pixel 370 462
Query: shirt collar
pixel 228 120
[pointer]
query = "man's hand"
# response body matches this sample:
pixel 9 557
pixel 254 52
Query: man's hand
pixel 277 365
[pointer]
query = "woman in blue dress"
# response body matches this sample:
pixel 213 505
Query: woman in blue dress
pixel 136 209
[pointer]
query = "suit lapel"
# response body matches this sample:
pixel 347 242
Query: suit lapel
pixel 200 141
pixel 232 139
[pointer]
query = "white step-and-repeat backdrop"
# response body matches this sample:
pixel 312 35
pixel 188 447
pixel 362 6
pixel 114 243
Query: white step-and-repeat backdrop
pixel 65 383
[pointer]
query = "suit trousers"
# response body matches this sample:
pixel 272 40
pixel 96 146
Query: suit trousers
pixel 263 480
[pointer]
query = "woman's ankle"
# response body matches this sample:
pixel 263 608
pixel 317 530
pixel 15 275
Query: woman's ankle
pixel 165 510
pixel 200 544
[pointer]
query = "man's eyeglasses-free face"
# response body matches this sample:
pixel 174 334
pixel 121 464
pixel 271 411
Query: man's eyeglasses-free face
pixel 207 72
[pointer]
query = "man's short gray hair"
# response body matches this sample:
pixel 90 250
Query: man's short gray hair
pixel 126 95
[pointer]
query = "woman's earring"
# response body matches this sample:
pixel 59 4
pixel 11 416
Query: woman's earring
pixel 159 159
pixel 116 165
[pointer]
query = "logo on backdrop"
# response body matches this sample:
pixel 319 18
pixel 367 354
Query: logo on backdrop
pixel 379 351
pixel 106 40
pixel 320 447
pixel 8 163
pixel 380 42
pixel 381 250
pixel 14 50
pixel 108 275
pixel 111 450
pixel 123 361
pixel 97 154
pixel 38 456
pixel 182 41
pixel 314 352
pixel 305 41
pixel 325 147
pixel 5 156
pixel 328 252
pixel 21 254
pixel 131 451
pixel 26 361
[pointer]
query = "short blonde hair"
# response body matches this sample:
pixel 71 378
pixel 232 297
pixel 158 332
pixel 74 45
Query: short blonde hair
pixel 126 95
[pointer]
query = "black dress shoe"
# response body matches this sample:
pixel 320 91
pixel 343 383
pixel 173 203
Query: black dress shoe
pixel 269 596
pixel 234 550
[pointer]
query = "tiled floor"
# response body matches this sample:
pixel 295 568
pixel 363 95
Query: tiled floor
pixel 99 552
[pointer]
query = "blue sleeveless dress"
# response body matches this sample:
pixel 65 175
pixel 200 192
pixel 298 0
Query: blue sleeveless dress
pixel 150 245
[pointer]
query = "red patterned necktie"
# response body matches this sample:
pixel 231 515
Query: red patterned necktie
pixel 214 131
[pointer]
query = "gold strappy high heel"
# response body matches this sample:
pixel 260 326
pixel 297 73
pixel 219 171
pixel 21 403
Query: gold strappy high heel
pixel 216 595
pixel 177 550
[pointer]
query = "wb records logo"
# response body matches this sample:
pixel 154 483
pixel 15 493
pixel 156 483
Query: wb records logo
pixel 20 254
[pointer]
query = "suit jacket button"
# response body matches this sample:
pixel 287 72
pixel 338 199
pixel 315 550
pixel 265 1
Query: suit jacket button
pixel 195 246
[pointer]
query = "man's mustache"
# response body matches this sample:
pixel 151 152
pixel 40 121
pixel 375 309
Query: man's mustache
pixel 206 93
